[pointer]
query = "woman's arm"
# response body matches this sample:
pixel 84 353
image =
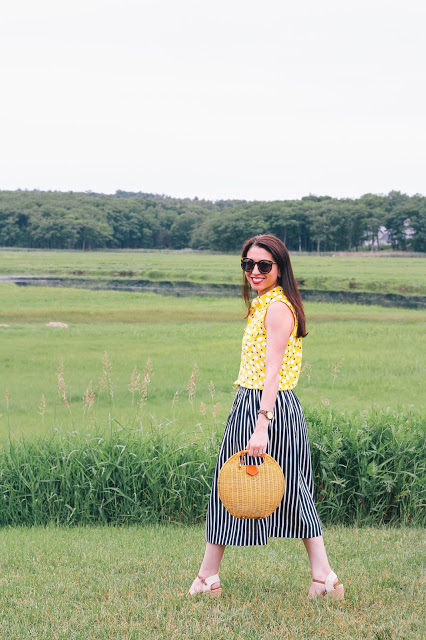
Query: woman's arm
pixel 279 323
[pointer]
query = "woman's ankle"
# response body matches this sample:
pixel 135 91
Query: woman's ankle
pixel 320 572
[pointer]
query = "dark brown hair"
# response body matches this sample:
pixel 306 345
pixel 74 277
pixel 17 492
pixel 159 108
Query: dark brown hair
pixel 286 279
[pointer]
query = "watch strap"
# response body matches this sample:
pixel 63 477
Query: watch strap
pixel 267 414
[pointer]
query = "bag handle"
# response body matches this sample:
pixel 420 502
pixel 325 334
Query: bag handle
pixel 243 453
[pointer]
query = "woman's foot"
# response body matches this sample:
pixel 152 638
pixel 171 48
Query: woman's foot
pixel 328 587
pixel 207 586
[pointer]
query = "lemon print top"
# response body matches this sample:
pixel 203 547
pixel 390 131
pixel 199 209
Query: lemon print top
pixel 253 354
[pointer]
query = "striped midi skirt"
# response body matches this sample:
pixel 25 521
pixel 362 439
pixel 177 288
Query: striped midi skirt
pixel 296 516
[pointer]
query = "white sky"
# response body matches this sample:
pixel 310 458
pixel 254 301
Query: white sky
pixel 216 98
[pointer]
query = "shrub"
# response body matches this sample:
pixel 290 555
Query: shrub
pixel 368 468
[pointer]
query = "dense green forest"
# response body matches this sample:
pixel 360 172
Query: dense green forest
pixel 56 220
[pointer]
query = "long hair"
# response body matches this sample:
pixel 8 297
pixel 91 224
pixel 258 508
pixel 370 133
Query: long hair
pixel 286 279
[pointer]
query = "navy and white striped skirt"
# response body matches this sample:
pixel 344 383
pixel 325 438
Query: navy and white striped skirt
pixel 296 516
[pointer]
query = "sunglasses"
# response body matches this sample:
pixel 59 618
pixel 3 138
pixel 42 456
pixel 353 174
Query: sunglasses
pixel 264 266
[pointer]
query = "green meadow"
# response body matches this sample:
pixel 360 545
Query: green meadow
pixel 355 357
pixel 384 273
pixel 105 583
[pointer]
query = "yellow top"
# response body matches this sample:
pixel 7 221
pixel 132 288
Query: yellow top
pixel 252 368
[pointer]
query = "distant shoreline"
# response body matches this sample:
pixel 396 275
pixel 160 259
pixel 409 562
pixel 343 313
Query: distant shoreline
pixel 187 288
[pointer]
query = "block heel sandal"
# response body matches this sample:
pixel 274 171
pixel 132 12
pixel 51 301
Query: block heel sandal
pixel 332 588
pixel 207 587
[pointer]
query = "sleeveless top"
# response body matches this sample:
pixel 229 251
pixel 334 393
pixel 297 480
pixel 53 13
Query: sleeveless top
pixel 252 368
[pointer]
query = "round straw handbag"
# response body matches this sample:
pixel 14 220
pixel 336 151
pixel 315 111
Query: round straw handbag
pixel 250 491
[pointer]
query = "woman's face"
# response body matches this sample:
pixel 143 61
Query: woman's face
pixel 261 282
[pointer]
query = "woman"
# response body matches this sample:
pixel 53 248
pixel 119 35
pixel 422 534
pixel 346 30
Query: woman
pixel 266 416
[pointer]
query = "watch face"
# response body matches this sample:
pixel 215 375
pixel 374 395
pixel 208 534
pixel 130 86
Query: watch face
pixel 269 415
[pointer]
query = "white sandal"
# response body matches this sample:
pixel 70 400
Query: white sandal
pixel 332 587
pixel 207 586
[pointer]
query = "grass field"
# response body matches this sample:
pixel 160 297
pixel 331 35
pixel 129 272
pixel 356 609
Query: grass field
pixel 381 273
pixel 379 351
pixel 106 583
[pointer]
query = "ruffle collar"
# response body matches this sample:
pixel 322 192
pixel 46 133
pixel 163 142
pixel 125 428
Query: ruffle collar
pixel 263 300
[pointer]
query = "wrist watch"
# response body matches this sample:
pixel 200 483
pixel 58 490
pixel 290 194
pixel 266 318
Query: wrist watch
pixel 268 414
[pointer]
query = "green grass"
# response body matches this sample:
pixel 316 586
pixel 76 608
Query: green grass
pixel 368 470
pixel 105 583
pixel 383 274
pixel 381 351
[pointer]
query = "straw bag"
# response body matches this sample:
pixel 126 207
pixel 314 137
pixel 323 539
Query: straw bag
pixel 249 491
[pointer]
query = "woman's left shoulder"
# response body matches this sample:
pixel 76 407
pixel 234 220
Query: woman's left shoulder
pixel 279 296
pixel 279 312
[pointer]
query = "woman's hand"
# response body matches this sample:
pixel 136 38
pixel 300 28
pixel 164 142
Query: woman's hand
pixel 258 442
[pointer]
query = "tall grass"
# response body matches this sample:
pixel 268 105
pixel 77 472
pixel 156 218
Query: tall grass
pixel 369 469
pixel 114 475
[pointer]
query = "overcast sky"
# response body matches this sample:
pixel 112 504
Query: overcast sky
pixel 214 98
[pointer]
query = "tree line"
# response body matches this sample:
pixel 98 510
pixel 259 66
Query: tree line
pixel 57 220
